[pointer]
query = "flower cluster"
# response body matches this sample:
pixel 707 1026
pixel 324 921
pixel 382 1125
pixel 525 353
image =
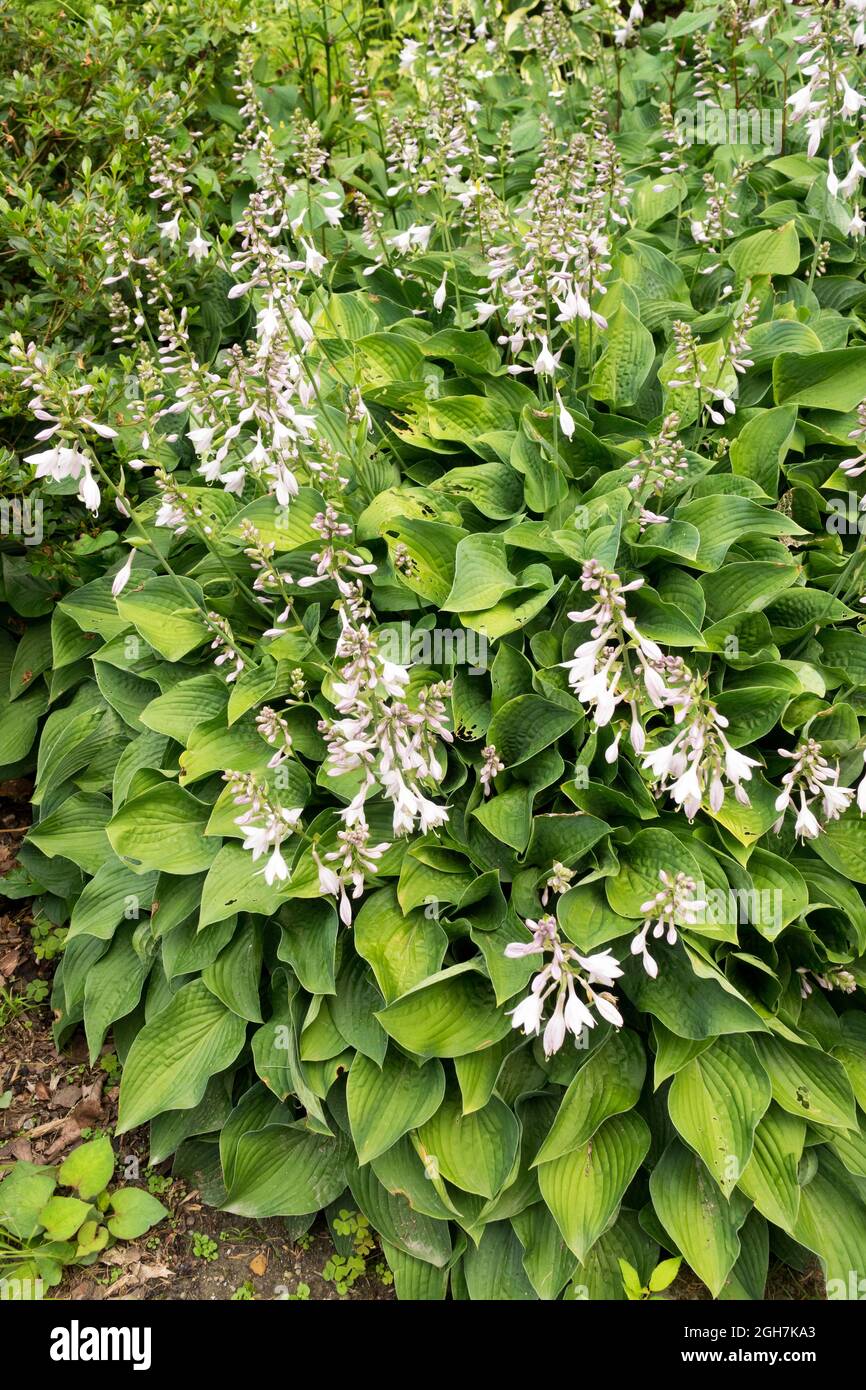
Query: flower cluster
pixel 699 763
pixel 563 979
pixel 265 823
pixel 811 782
pixel 673 905
pixel 615 664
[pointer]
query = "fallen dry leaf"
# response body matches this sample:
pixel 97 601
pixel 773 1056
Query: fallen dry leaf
pixel 259 1264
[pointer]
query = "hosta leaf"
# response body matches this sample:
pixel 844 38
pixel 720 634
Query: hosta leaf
pixel 447 1015
pixel 402 948
pixel 77 831
pixel 772 252
pixel 167 613
pixel 547 1260
pixel 475 1151
pixel 583 1188
pixel 390 1214
pixel 770 1176
pixel 807 1082
pixel 832 1222
pixel 494 1268
pixel 608 1083
pixel 383 1104
pixel 716 1102
pixel 700 1221
pixel 690 1005
pixel 481 574
pixel 234 975
pixel 623 366
pixel 828 380
pixel 526 725
pixel 163 829
pixel 175 1054
pixel 234 884
pixel 283 1171
pixel 113 987
pixel 638 879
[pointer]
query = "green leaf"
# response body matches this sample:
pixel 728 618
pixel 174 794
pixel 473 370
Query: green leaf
pixel 807 1082
pixel 829 380
pixel 384 1104
pixel 23 1194
pixel 583 1188
pixel 772 252
pixel 234 976
pixel 167 613
pixel 494 1268
pixel 134 1211
pixel 113 987
pixel 77 831
pixel 760 448
pixel 175 1054
pixel 89 1167
pixel 770 1177
pixel 526 725
pixel 402 948
pixel 832 1223
pixel 235 884
pixel 700 1221
pixel 622 369
pixel 62 1216
pixel 608 1083
pixel 282 1171
pixel 689 1004
pixel 476 1152
pixel 716 1102
pixel 397 1222
pixel 447 1015
pixel 163 828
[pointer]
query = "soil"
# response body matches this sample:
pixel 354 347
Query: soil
pixel 49 1102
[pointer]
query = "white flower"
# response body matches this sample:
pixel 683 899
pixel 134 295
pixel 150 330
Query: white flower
pixel 554 1033
pixel 276 869
pixel 197 248
pixel 170 230
pixel 314 261
pixel 546 362
pixel 851 100
pixel 439 296
pixel 608 1010
pixel 88 490
pixel 201 438
pixel 527 1015
pixel 121 579
pixel 59 463
pixel 807 825
pixel 566 419
pixel 602 968
pixel 409 54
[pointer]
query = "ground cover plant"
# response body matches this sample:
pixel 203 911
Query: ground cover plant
pixel 434 615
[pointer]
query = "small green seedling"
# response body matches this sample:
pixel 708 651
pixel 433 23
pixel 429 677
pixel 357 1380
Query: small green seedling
pixel 661 1278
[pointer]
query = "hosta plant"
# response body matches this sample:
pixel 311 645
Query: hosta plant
pixel 455 792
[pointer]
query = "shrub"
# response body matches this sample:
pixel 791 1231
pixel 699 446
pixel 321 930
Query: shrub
pixel 455 794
